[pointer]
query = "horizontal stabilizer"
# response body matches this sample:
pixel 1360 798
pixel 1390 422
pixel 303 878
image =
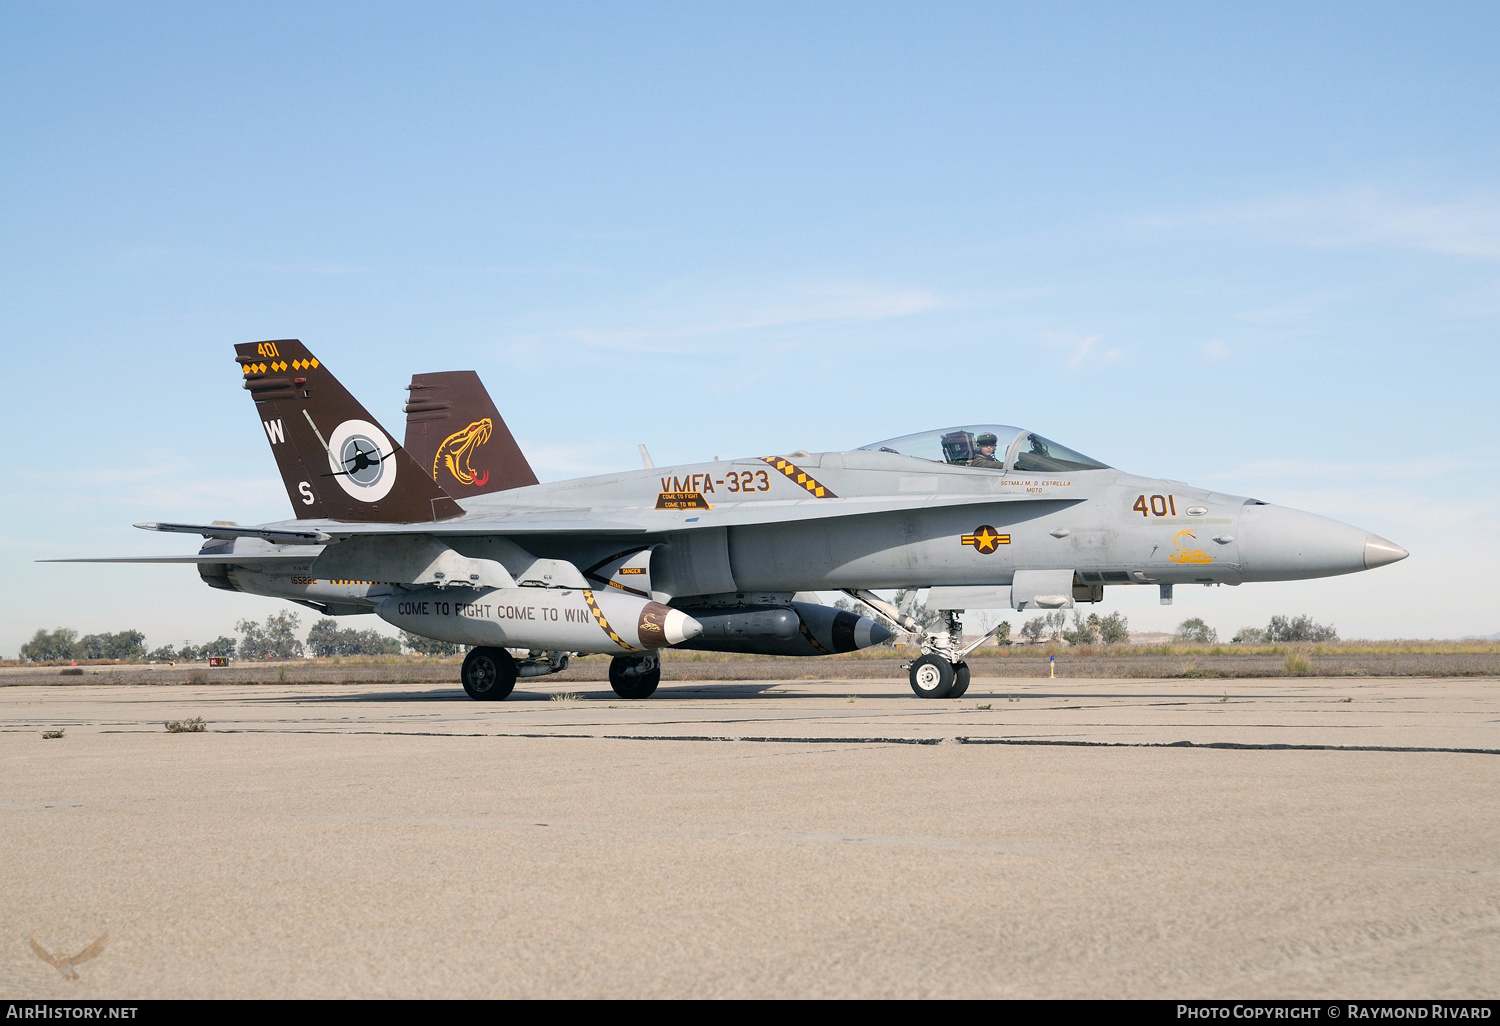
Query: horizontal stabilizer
pixel 274 535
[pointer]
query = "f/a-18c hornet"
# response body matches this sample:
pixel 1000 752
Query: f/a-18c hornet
pixel 452 537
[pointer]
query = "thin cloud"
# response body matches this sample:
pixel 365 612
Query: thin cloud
pixel 1083 349
pixel 828 306
pixel 1355 218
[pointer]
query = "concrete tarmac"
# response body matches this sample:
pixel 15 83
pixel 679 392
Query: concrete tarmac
pixel 1178 838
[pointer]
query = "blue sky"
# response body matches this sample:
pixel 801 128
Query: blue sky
pixel 1255 248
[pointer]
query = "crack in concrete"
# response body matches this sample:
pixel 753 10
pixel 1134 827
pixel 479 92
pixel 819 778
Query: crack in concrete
pixel 825 740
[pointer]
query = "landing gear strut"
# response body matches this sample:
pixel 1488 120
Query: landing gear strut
pixel 489 674
pixel 941 671
pixel 635 676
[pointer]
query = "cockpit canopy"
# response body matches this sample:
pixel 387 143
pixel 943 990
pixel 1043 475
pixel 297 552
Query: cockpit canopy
pixel 970 446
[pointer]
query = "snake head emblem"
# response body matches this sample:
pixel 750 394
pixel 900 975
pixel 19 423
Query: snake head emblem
pixel 1184 554
pixel 456 449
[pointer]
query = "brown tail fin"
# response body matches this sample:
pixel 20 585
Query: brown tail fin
pixel 335 460
pixel 454 431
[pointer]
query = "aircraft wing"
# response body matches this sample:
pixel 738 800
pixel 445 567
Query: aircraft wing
pixel 619 520
pixel 538 520
pixel 772 511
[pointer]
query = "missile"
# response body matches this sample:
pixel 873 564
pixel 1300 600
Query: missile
pixel 555 619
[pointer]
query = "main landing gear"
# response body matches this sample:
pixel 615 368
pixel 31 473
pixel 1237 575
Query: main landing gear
pixel 489 674
pixel 635 676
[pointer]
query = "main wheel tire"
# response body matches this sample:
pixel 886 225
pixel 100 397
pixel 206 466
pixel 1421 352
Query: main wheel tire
pixel 630 681
pixel 932 677
pixel 960 680
pixel 489 674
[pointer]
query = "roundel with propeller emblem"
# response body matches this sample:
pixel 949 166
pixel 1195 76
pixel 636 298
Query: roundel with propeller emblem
pixel 359 454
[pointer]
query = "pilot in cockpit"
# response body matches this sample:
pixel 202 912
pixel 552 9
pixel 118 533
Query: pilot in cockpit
pixel 986 443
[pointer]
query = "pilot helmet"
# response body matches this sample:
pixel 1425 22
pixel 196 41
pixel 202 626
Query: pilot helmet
pixel 987 438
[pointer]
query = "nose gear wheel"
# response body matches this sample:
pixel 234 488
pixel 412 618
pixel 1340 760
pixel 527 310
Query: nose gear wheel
pixel 932 677
pixel 960 680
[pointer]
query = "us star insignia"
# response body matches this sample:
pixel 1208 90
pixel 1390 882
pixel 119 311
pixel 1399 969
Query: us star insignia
pixel 986 539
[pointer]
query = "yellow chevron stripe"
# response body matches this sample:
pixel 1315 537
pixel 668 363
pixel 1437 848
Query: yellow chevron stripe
pixel 588 596
pixel 814 642
pixel 799 476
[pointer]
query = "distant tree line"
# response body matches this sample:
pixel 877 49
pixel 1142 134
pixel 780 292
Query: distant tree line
pixel 1194 631
pixel 275 638
pixel 1280 629
pixel 1283 629
pixel 65 644
pixel 431 646
pixel 1113 629
pixel 327 639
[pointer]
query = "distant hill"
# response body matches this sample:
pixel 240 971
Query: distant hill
pixel 1481 637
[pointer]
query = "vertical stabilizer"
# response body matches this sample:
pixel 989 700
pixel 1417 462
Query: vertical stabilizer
pixel 335 460
pixel 458 437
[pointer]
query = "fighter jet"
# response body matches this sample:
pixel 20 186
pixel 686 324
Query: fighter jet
pixel 452 537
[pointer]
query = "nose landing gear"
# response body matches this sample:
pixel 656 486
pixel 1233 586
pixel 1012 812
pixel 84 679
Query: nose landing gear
pixel 940 672
pixel 932 676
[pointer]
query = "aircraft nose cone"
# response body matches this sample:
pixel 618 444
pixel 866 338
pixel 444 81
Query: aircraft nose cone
pixel 679 627
pixel 1379 552
pixel 1282 544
